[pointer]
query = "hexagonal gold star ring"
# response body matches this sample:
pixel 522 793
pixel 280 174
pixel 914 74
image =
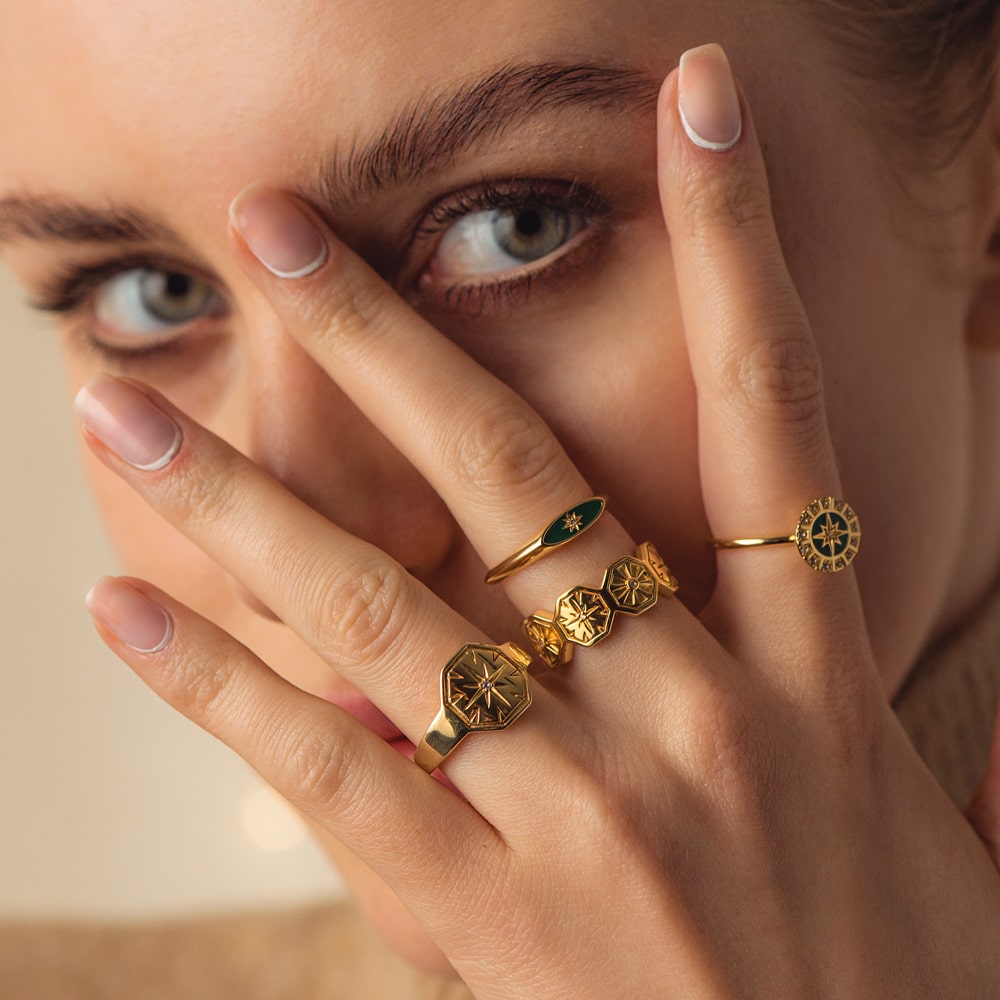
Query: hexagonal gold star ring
pixel 584 616
pixel 827 536
pixel 483 689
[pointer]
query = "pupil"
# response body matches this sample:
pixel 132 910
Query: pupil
pixel 173 297
pixel 529 223
pixel 178 286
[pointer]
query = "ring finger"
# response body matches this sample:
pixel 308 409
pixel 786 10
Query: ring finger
pixel 361 611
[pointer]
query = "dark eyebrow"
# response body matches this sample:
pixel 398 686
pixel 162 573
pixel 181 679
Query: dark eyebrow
pixel 431 132
pixel 423 137
pixel 52 218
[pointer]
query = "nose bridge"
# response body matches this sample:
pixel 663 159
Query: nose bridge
pixel 293 411
pixel 303 430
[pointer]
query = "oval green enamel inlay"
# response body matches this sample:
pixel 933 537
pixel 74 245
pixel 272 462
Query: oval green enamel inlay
pixel 573 522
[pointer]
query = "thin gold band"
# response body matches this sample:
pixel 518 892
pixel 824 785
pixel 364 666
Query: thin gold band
pixel 748 543
pixel 827 536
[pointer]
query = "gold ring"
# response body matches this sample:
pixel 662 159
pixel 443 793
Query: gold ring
pixel 568 525
pixel 483 689
pixel 828 536
pixel 583 616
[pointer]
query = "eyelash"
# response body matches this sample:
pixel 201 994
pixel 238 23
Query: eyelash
pixel 471 298
pixel 69 292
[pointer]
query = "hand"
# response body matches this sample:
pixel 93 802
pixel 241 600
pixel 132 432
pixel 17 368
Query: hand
pixel 718 807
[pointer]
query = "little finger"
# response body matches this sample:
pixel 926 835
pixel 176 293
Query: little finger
pixel 764 443
pixel 321 759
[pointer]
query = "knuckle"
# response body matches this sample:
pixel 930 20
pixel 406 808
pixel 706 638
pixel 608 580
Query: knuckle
pixel 507 446
pixel 196 496
pixel 729 204
pixel 360 611
pixel 728 750
pixel 780 378
pixel 207 689
pixel 849 719
pixel 355 303
pixel 320 780
pixel 320 770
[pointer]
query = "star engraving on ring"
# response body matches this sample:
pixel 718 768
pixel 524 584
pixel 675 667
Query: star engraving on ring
pixel 647 554
pixel 828 535
pixel 631 585
pixel 548 641
pixel 584 616
pixel 486 691
pixel 572 522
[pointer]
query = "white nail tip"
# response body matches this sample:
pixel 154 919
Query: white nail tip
pixel 302 272
pixel 165 459
pixel 702 143
pixel 162 644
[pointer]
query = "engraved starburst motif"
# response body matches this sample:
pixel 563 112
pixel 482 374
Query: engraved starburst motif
pixel 572 522
pixel 829 533
pixel 583 616
pixel 547 640
pixel 485 689
pixel 631 585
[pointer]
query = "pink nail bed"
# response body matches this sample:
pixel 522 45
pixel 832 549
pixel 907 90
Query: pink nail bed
pixel 278 233
pixel 128 422
pixel 131 616
pixel 708 101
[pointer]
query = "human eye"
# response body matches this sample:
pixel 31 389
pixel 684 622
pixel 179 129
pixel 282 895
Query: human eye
pixel 495 244
pixel 132 307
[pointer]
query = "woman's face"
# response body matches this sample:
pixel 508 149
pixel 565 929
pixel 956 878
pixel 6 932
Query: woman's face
pixel 126 129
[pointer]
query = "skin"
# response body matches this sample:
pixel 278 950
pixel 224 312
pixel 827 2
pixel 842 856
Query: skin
pixel 372 421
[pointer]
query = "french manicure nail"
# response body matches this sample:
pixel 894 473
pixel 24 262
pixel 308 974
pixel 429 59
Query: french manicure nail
pixel 707 99
pixel 278 233
pixel 131 616
pixel 128 422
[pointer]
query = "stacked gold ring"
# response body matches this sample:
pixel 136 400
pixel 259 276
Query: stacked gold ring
pixel 584 616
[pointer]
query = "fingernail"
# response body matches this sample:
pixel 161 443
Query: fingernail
pixel 708 102
pixel 131 616
pixel 128 422
pixel 278 233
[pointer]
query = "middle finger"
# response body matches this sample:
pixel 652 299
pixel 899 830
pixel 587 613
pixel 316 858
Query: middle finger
pixel 485 451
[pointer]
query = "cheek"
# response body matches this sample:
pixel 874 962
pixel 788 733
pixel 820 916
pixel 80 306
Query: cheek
pixel 626 411
pixel 891 340
pixel 150 548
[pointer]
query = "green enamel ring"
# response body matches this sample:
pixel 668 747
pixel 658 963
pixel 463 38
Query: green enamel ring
pixel 568 525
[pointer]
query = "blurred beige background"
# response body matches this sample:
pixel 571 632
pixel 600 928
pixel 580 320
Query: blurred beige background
pixel 110 804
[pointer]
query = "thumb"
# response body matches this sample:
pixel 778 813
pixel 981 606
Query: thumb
pixel 984 810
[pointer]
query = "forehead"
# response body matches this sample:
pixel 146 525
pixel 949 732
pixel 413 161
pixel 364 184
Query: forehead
pixel 111 90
